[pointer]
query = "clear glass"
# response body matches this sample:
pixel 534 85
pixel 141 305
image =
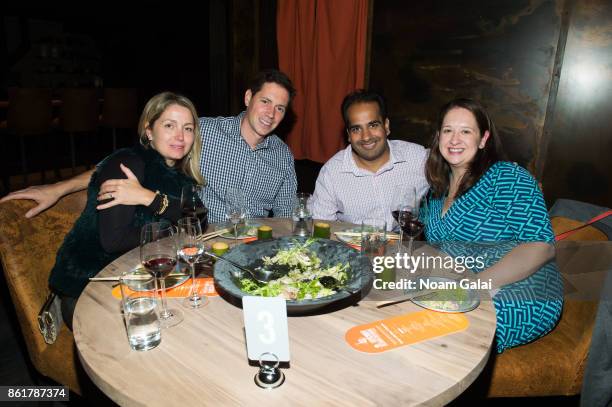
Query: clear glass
pixel 373 237
pixel 193 206
pixel 190 249
pixel 302 217
pixel 140 312
pixel 158 256
pixel 235 208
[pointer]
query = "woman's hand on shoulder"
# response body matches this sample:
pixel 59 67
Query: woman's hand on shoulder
pixel 124 191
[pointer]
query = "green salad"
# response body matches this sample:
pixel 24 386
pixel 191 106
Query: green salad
pixel 301 269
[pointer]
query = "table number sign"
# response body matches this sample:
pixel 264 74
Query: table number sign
pixel 265 324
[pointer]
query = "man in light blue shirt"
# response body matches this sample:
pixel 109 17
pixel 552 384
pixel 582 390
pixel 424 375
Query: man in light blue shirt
pixel 366 179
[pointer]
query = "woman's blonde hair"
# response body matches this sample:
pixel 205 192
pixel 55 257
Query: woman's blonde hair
pixel 190 164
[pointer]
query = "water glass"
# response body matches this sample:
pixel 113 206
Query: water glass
pixel 140 313
pixel 301 215
pixel 373 237
pixel 235 208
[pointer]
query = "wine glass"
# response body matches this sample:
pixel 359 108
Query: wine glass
pixel 301 214
pixel 401 212
pixel 190 249
pixel 192 205
pixel 158 256
pixel 235 208
pixel 407 216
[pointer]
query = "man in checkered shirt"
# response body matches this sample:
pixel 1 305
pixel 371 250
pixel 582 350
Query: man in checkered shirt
pixel 366 179
pixel 239 152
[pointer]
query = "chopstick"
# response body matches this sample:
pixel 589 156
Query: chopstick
pixel 216 233
pixel 390 236
pixel 132 277
pixel 404 297
pixel 116 278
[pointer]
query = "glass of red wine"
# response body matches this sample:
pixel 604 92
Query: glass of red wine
pixel 406 215
pixel 158 256
pixel 190 249
pixel 192 205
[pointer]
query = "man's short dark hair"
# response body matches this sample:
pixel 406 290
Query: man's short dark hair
pixel 363 96
pixel 272 76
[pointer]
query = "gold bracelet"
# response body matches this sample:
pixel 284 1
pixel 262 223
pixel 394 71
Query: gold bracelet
pixel 164 204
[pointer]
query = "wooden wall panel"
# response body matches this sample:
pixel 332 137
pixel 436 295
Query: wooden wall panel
pixel 500 52
pixel 578 163
pixel 503 53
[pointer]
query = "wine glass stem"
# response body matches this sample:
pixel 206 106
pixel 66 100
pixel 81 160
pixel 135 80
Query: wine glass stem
pixel 410 240
pixel 194 291
pixel 401 241
pixel 156 293
pixel 235 231
pixel 164 313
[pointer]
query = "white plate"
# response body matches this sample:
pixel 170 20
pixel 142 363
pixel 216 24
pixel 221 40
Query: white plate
pixel 449 306
pixel 251 231
pixel 355 240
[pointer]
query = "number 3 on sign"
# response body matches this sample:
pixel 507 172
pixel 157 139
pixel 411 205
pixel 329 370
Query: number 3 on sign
pixel 265 325
pixel 269 336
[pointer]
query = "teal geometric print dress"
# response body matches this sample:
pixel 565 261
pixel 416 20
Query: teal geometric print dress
pixel 502 210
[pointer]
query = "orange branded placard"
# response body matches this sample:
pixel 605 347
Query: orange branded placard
pixel 205 286
pixel 386 334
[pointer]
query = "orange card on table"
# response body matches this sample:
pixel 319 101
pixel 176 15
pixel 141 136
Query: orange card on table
pixel 205 286
pixel 386 334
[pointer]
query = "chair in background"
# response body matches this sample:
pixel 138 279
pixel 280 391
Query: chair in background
pixel 79 114
pixel 27 250
pixel 29 115
pixel 120 110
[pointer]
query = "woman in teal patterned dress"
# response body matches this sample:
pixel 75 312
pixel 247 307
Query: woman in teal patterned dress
pixel 482 206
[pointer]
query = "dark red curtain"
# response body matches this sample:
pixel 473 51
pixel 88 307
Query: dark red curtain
pixel 322 47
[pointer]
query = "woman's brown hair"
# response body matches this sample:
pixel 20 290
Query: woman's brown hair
pixel 437 169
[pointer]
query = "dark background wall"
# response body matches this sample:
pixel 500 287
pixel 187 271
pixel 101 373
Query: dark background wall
pixel 542 68
pixel 206 52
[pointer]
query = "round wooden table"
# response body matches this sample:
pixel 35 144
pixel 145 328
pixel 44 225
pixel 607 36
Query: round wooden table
pixel 203 360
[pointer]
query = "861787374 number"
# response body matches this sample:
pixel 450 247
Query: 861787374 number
pixel 34 393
